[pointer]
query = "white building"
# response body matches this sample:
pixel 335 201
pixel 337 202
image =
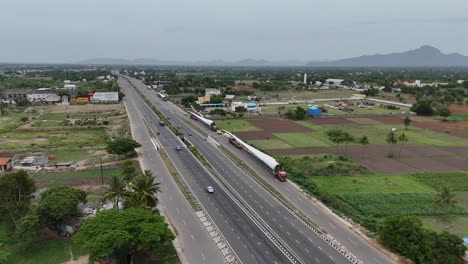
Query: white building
pixel 334 81
pixel 69 87
pixel 105 97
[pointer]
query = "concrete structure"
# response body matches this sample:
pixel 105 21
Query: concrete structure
pixel 34 161
pixel 229 96
pixel 334 81
pixel 105 97
pixel 305 78
pixel 12 94
pixel 5 164
pixel 212 91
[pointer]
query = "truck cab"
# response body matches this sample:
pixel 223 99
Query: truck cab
pixel 281 175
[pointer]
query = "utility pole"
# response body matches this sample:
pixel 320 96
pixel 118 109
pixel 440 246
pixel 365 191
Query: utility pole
pixel 102 173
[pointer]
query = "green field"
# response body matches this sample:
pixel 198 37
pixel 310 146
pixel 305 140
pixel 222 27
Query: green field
pixel 68 155
pixel 236 125
pixel 387 204
pixel 46 252
pixel 379 196
pixel 269 144
pixel 55 139
pixel 82 174
pixel 301 139
pixel 10 122
pixel 457 224
pixel 371 184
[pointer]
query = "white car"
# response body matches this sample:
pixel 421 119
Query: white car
pixel 210 189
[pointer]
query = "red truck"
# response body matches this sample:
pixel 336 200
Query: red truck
pixel 236 143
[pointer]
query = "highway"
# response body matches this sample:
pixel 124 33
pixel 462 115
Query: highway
pixel 192 241
pixel 308 247
pixel 249 243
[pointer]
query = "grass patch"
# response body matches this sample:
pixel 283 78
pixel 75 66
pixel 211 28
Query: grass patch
pixel 45 252
pixel 386 204
pixel 83 174
pixel 269 144
pixel 454 118
pixel 66 155
pixel 237 125
pixel 301 139
pixel 371 184
pixel 56 139
pixel 455 181
pixel 457 224
pixel 10 122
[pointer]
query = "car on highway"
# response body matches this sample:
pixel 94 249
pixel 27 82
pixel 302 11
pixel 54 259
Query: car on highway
pixel 178 148
pixel 219 132
pixel 210 189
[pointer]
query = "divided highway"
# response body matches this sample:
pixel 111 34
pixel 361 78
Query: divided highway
pixel 249 243
pixel 306 245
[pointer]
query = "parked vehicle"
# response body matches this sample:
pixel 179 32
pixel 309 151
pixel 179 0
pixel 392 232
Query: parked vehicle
pixel 161 123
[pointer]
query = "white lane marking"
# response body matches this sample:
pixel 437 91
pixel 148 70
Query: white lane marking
pixel 307 250
pixel 192 237
pixel 332 225
pixel 352 241
pixel 317 260
pixel 177 210
pixel 203 256
pixel 320 248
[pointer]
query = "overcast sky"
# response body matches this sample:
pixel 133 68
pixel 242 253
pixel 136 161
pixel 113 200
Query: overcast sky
pixel 73 30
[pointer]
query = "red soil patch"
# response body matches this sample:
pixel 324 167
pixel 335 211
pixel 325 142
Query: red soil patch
pixel 423 119
pixel 279 125
pixel 389 119
pixel 299 151
pixel 413 159
pixel 363 121
pixel 253 135
pixel 329 121
pixel 457 129
pixel 459 109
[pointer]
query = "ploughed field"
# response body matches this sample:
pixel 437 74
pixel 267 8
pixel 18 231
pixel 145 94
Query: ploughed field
pixel 433 145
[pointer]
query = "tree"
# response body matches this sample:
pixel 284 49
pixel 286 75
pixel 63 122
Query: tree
pixel 188 100
pixel 297 113
pixel 465 84
pixel 123 146
pixel 392 140
pixel 146 187
pixel 240 109
pixel 3 108
pixel 59 204
pixel 364 141
pixel 444 112
pixel 402 138
pixel 16 192
pixel 119 232
pixel 336 136
pixel 407 122
pixel 22 102
pixel 29 229
pixel 423 107
pixel 128 170
pixel 445 197
pixel 447 247
pixel 215 99
pixel 116 191
pixel 406 235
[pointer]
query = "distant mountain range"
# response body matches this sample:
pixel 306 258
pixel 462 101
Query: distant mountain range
pixel 424 56
pixel 421 57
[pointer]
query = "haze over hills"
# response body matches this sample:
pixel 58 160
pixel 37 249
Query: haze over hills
pixel 421 57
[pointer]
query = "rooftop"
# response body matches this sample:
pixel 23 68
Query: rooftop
pixel 4 161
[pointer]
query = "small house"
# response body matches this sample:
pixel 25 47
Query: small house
pixel 314 111
pixel 5 164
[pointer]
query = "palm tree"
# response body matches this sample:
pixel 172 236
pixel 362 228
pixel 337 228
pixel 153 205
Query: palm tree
pixel 135 200
pixel 445 198
pixel 336 136
pixel 402 138
pixel 392 140
pixel 117 190
pixel 364 141
pixel 145 186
